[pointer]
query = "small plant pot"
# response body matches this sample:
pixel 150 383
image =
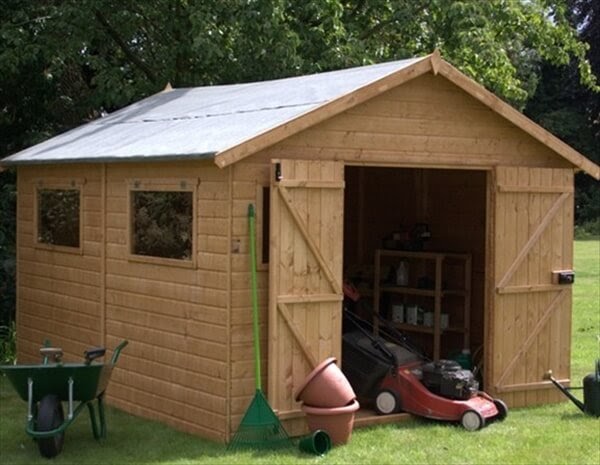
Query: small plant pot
pixel 317 442
pixel 326 386
pixel 336 422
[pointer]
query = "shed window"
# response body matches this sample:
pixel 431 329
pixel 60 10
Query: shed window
pixel 58 221
pixel 162 224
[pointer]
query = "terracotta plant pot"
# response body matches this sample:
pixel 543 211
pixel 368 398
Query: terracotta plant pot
pixel 326 386
pixel 337 422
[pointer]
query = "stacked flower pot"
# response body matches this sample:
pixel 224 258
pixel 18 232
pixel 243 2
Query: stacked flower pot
pixel 328 401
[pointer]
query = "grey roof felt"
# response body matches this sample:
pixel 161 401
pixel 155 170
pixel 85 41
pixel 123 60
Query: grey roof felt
pixel 202 121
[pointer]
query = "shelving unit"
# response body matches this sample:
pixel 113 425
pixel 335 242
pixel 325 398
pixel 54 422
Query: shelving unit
pixel 435 267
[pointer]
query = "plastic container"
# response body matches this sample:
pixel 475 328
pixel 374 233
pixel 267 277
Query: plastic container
pixel 591 392
pixel 402 274
pixel 464 359
pixel 444 321
pixel 398 313
pixel 412 314
pixel 428 319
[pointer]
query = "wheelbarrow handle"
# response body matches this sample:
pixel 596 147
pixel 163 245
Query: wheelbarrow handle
pixel 117 352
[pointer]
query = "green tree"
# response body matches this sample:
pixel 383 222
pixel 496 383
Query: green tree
pixel 571 111
pixel 64 62
pixel 7 250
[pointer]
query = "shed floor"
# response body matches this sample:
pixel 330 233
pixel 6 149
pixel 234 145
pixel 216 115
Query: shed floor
pixel 367 417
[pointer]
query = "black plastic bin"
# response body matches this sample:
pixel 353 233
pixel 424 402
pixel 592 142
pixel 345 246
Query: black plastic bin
pixel 447 379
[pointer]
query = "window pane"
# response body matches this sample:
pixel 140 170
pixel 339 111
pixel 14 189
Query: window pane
pixel 162 224
pixel 58 222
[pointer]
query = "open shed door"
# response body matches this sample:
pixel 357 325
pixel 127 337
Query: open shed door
pixel 530 325
pixel 305 274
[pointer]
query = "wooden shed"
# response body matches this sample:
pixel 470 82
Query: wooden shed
pixel 342 167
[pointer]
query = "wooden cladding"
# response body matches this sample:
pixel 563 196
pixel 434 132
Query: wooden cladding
pixel 425 122
pixel 175 367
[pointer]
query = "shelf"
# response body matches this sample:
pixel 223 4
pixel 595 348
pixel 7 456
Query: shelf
pixel 438 268
pixel 420 291
pixel 425 255
pixel 427 329
pixel 457 292
pixel 408 290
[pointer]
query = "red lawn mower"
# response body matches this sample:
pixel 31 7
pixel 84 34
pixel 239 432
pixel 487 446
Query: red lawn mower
pixel 394 377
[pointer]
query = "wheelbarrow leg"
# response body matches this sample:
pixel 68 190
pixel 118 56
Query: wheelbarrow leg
pixel 30 403
pixel 98 428
pixel 95 431
pixel 101 415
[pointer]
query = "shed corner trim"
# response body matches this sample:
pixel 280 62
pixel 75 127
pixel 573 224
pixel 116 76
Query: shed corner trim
pixel 436 59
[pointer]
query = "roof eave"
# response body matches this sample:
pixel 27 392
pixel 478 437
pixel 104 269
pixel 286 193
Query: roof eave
pixel 110 159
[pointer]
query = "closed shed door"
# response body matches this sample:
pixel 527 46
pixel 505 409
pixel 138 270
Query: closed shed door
pixel 305 274
pixel 530 328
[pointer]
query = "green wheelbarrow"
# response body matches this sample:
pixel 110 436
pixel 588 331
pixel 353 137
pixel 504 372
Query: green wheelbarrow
pixel 44 387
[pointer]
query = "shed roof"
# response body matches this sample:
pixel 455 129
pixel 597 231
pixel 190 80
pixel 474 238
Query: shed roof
pixel 231 122
pixel 202 121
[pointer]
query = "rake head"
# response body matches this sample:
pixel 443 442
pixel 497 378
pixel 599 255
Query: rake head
pixel 260 428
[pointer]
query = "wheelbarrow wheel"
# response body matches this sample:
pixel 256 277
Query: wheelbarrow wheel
pixel 50 416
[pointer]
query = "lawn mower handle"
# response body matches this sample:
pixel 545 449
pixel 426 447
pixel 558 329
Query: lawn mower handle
pixel 374 342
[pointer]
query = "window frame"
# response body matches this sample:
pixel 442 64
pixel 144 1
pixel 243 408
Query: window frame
pixel 74 184
pixel 261 240
pixel 162 185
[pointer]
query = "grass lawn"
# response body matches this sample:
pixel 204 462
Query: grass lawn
pixel 556 434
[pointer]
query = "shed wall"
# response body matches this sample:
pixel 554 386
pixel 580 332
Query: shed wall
pixel 175 368
pixel 426 122
pixel 249 177
pixel 58 294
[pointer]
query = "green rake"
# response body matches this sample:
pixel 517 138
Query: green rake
pixel 260 428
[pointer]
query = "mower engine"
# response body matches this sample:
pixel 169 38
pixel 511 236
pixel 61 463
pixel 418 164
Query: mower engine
pixel 446 378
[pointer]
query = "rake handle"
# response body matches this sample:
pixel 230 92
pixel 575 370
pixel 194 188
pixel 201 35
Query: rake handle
pixel 255 330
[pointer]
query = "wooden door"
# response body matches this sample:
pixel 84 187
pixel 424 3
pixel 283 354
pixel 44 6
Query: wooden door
pixel 305 274
pixel 529 329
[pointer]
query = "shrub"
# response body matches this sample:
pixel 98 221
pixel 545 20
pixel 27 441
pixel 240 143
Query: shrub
pixel 8 344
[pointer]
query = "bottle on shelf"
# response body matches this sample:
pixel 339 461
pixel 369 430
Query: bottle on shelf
pixel 402 274
pixel 464 359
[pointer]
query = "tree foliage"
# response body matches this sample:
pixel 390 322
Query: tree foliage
pixel 58 217
pixel 163 224
pixel 8 216
pixel 64 62
pixel 572 111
